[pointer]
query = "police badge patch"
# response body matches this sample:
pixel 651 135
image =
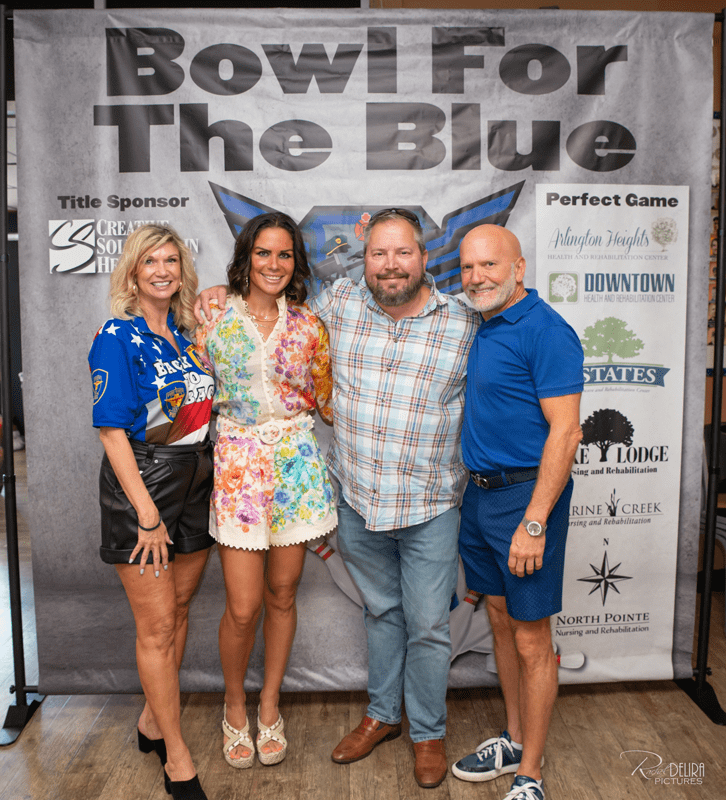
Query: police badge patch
pixel 100 382
pixel 171 398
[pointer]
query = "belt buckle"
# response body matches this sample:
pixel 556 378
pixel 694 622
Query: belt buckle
pixel 480 481
pixel 270 432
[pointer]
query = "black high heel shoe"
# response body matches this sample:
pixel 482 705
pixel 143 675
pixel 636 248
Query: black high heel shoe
pixel 184 790
pixel 147 745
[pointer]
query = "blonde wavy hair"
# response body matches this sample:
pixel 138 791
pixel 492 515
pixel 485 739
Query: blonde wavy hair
pixel 146 239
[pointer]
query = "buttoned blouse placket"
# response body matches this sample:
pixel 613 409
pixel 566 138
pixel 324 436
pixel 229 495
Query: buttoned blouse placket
pixel 263 346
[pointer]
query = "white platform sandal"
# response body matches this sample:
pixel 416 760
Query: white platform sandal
pixel 265 735
pixel 237 738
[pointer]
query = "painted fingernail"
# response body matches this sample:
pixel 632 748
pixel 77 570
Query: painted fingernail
pixel 141 571
pixel 131 561
pixel 156 574
pixel 166 566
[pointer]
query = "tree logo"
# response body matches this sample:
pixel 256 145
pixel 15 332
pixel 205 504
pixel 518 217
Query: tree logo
pixel 606 427
pixel 563 287
pixel 610 338
pixel 665 231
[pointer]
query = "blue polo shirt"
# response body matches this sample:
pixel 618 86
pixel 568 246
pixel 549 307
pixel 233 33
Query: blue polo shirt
pixel 141 384
pixel 519 356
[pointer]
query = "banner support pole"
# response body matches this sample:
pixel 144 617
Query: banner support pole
pixel 21 711
pixel 697 688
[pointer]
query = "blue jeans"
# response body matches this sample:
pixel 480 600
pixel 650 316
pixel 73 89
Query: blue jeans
pixel 407 578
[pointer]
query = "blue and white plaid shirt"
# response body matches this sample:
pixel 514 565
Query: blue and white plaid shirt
pixel 398 403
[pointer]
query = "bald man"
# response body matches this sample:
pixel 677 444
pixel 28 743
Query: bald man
pixel 521 431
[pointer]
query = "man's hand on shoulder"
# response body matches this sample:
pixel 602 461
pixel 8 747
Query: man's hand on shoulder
pixel 202 309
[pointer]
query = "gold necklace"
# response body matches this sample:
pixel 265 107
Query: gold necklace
pixel 255 316
pixel 260 321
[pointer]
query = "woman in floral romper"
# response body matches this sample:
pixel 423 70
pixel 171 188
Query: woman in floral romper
pixel 271 363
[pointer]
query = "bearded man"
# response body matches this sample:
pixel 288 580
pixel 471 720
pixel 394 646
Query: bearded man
pixel 399 350
pixel 520 435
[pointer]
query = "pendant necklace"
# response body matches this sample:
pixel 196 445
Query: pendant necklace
pixel 261 320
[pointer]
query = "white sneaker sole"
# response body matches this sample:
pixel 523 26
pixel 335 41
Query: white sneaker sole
pixel 480 777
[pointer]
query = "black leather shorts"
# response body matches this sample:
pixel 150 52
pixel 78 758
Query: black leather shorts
pixel 179 479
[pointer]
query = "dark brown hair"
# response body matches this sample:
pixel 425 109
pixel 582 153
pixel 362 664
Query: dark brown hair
pixel 238 270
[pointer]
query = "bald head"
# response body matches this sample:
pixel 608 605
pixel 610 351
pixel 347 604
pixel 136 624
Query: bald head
pixel 494 235
pixel 492 269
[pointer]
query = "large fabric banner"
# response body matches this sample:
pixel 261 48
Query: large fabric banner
pixel 528 119
pixel 613 260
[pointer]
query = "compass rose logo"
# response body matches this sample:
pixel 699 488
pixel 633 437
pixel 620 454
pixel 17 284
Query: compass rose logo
pixel 605 578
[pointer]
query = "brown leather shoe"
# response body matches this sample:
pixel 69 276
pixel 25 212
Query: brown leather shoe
pixel 430 767
pixel 360 742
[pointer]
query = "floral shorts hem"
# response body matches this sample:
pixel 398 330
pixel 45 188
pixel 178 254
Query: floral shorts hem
pixel 270 494
pixel 261 539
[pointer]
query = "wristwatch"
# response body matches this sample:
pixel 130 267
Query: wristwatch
pixel 534 528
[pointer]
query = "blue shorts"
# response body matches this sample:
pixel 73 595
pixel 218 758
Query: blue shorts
pixel 489 518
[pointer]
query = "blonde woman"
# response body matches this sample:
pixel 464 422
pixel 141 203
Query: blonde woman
pixel 152 403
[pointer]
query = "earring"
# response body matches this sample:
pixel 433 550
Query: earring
pixel 247 281
pixel 133 288
pixel 181 283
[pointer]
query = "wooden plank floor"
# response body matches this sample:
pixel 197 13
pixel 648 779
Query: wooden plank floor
pixel 83 747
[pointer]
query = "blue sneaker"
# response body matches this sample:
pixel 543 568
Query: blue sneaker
pixel 525 788
pixel 491 759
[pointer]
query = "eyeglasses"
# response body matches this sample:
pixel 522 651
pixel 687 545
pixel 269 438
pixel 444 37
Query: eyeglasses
pixel 409 216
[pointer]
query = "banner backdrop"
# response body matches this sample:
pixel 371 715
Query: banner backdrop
pixel 528 119
pixel 613 260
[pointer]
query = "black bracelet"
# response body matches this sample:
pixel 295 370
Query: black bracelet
pixel 150 529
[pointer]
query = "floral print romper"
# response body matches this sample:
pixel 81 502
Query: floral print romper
pixel 271 486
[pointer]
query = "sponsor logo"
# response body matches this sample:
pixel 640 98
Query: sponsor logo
pixel 614 511
pixel 72 245
pixel 664 231
pixel 610 338
pixel 589 252
pixel 611 432
pixel 629 287
pixel 334 234
pixel 652 767
pixel 93 246
pixel 603 580
pixel 610 287
pixel 563 287
pixel 573 242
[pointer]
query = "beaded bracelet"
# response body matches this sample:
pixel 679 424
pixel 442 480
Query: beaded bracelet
pixel 150 529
